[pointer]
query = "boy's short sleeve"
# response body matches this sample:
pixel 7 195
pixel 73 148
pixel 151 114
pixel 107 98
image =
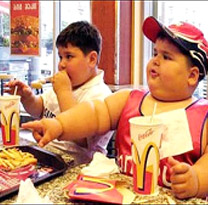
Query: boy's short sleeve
pixel 50 103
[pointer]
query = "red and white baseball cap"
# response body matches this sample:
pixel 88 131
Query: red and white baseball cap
pixel 186 36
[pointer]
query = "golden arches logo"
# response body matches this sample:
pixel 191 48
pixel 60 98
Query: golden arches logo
pixel 9 124
pixel 108 186
pixel 142 166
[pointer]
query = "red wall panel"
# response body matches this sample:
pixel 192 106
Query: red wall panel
pixel 103 16
pixel 125 42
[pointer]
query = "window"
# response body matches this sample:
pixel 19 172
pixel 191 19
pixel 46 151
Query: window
pixel 78 10
pixel 54 16
pixel 28 68
pixel 45 61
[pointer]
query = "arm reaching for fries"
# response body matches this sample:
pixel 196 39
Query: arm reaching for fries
pixel 44 130
pixel 84 120
pixel 48 129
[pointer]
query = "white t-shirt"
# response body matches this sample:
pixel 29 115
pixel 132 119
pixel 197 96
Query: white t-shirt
pixel 93 89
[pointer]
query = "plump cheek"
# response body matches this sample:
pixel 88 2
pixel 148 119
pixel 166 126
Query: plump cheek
pixel 162 82
pixel 166 79
pixel 167 82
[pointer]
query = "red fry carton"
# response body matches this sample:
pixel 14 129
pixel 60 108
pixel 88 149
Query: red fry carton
pixel 96 189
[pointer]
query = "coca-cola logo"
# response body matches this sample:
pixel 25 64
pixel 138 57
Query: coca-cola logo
pixel 146 134
pixel 9 105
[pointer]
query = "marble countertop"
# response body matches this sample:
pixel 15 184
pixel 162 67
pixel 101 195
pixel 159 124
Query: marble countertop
pixel 54 187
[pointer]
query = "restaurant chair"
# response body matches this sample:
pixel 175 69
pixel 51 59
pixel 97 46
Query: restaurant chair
pixel 111 147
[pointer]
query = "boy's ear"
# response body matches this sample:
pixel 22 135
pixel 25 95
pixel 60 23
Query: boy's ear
pixel 93 58
pixel 193 76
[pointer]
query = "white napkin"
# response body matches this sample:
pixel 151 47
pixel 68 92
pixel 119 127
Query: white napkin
pixel 100 166
pixel 177 138
pixel 28 194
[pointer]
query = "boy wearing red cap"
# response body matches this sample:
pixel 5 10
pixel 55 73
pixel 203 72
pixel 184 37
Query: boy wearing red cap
pixel 179 63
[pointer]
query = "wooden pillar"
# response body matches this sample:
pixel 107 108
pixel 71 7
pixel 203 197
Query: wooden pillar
pixel 103 16
pixel 125 42
pixel 113 19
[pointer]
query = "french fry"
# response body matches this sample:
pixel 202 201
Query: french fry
pixel 9 164
pixel 2 163
pixel 14 158
pixel 9 154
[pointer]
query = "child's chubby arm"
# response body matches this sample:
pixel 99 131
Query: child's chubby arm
pixel 84 120
pixel 32 104
pixel 190 181
pixel 63 89
pixel 44 130
pixel 184 179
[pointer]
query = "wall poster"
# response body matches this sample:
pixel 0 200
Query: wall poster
pixel 25 27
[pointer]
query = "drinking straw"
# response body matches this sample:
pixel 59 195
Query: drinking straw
pixel 15 90
pixel 153 113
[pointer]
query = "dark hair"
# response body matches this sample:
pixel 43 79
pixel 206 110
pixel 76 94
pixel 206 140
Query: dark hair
pixel 81 34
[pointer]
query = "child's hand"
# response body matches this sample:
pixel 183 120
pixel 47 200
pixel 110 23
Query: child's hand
pixel 44 130
pixel 61 82
pixel 23 90
pixel 183 178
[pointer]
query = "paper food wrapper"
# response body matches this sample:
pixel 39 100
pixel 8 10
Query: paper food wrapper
pixel 176 138
pixel 28 194
pixel 100 166
pixel 100 190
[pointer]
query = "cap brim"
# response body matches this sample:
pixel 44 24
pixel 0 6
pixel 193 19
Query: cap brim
pixel 151 27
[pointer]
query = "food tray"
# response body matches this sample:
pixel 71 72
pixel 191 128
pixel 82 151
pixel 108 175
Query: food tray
pixel 46 161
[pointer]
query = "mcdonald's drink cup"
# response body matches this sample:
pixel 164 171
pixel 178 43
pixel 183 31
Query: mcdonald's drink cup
pixel 9 116
pixel 145 139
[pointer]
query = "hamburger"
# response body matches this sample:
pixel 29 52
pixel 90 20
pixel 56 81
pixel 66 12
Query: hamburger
pixel 25 35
